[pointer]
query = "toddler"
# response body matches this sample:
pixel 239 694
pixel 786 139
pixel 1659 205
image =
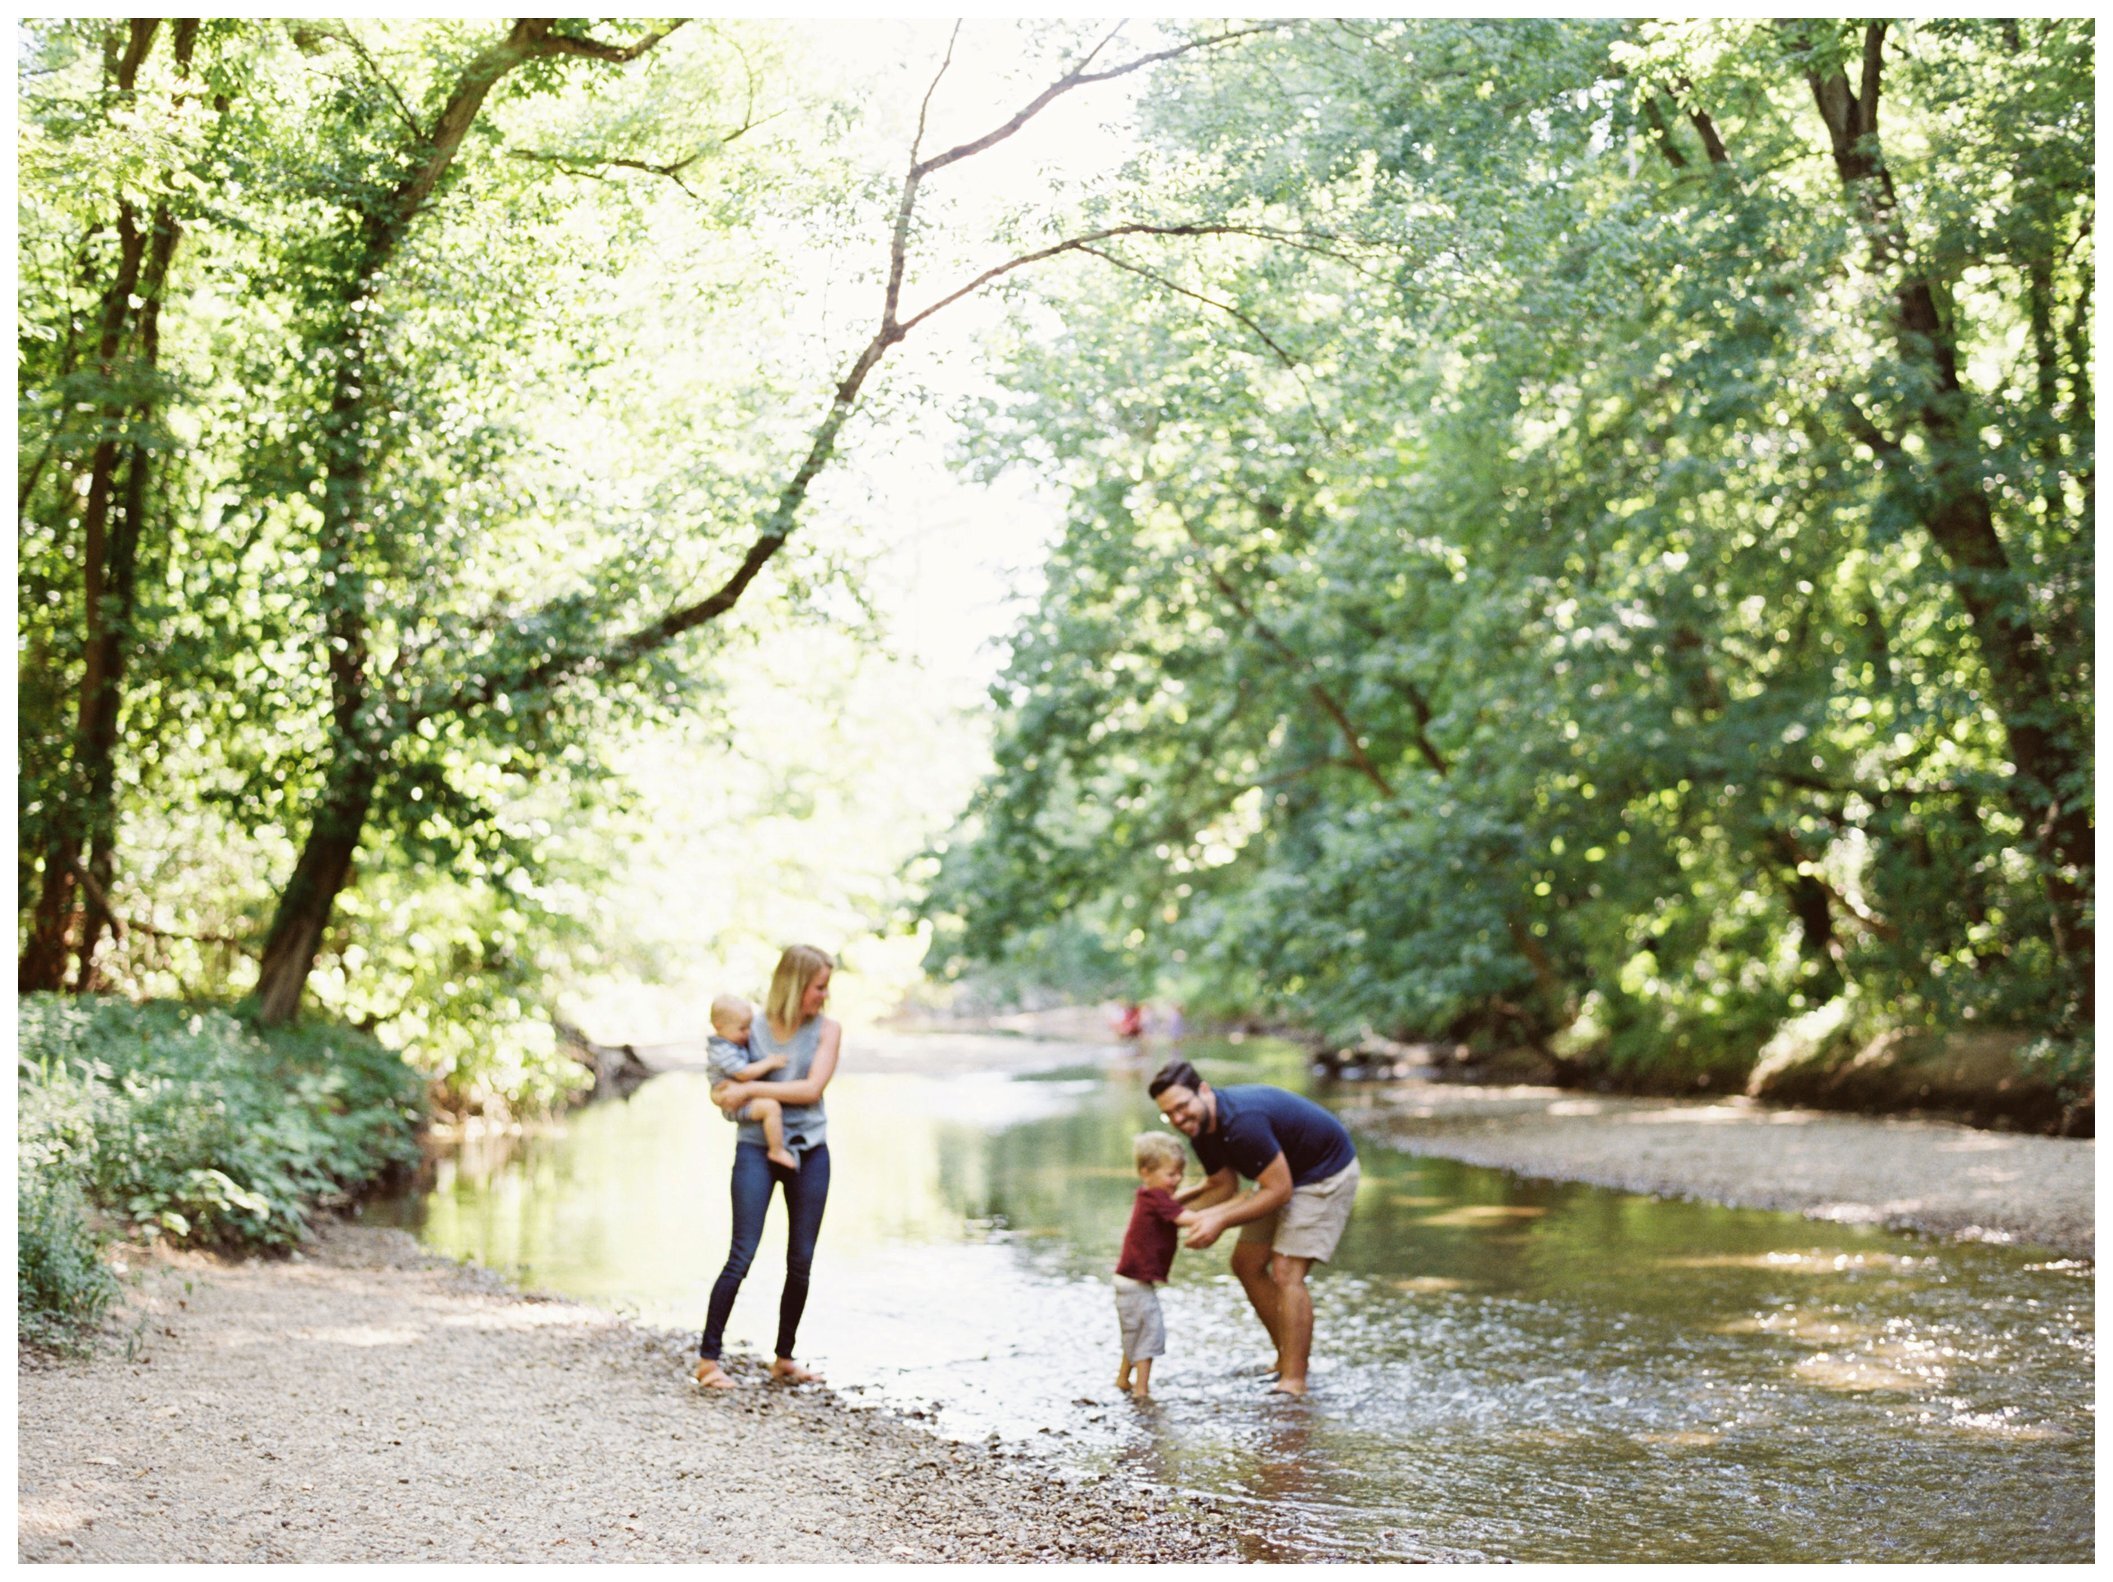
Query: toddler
pixel 1147 1256
pixel 726 1051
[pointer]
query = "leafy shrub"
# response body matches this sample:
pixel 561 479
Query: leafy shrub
pixel 184 1122
pixel 2066 1064
pixel 61 1283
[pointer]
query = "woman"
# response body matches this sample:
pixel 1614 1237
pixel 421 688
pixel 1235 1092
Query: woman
pixel 792 1024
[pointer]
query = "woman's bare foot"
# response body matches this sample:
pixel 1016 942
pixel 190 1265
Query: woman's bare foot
pixel 709 1374
pixel 782 1156
pixel 786 1371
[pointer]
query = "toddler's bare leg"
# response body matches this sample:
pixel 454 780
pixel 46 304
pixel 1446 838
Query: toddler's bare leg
pixel 1122 1376
pixel 1143 1389
pixel 770 1115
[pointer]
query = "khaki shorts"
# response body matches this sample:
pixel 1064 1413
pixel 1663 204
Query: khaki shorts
pixel 1144 1330
pixel 1312 1223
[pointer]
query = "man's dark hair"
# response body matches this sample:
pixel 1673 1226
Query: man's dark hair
pixel 1174 1074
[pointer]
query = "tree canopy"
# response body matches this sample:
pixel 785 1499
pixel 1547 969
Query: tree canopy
pixel 1602 559
pixel 407 408
pixel 1575 531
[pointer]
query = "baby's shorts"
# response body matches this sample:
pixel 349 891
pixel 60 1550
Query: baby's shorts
pixel 1137 1310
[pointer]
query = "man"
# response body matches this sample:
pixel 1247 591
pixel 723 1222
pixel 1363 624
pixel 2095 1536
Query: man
pixel 1305 1173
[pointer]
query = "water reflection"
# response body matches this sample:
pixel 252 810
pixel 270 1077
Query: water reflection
pixel 1505 1368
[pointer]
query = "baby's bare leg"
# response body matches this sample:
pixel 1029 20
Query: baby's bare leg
pixel 770 1115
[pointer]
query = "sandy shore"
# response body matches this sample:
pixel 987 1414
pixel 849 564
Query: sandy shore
pixel 368 1402
pixel 1930 1176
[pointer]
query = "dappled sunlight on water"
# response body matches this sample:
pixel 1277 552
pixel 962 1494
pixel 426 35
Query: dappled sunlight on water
pixel 1485 1214
pixel 1505 1368
pixel 1791 1262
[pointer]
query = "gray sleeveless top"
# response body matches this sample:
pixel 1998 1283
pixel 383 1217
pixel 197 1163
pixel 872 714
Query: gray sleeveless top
pixel 805 1124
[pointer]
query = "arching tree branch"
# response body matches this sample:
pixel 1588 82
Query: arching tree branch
pixel 596 49
pixel 1078 77
pixel 489 678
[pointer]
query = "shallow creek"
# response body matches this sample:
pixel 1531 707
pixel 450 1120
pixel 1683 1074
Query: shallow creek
pixel 1506 1369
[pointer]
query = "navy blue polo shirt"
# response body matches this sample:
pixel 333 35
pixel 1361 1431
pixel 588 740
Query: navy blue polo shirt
pixel 1257 1122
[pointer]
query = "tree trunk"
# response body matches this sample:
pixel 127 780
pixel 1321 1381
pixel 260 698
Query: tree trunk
pixel 305 904
pixel 2046 365
pixel 101 745
pixel 122 582
pixel 364 732
pixel 2048 789
pixel 42 966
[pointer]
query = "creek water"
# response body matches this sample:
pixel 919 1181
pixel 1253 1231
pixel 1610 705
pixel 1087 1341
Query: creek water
pixel 1505 1368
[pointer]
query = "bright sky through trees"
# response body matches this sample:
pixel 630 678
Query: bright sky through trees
pixel 952 564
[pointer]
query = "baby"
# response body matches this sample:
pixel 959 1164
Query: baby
pixel 1147 1257
pixel 726 1051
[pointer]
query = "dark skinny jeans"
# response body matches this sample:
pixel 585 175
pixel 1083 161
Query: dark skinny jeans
pixel 806 1193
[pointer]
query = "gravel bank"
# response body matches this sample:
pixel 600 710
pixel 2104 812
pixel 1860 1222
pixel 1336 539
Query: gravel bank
pixel 1930 1176
pixel 368 1402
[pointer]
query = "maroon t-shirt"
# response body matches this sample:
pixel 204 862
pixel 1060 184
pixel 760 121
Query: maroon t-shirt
pixel 1148 1245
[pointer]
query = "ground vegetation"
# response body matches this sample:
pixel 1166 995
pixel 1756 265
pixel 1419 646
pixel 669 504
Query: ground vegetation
pixel 169 1122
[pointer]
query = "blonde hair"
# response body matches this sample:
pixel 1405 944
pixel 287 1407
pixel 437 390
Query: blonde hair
pixel 797 968
pixel 1158 1148
pixel 729 1009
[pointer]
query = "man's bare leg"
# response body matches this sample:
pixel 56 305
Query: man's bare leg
pixel 1251 1263
pixel 770 1115
pixel 1295 1320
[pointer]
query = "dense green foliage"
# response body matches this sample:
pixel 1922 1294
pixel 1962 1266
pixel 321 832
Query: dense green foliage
pixel 163 1120
pixel 359 483
pixel 418 418
pixel 1603 558
pixel 1577 530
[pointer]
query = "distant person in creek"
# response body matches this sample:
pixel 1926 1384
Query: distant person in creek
pixel 1305 1172
pixel 792 1025
pixel 732 1061
pixel 1147 1258
pixel 1130 1020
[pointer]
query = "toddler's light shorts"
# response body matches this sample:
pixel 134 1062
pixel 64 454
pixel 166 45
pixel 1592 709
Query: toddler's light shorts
pixel 1137 1310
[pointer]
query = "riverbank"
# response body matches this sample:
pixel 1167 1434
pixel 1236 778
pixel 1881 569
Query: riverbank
pixel 1935 1177
pixel 368 1402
